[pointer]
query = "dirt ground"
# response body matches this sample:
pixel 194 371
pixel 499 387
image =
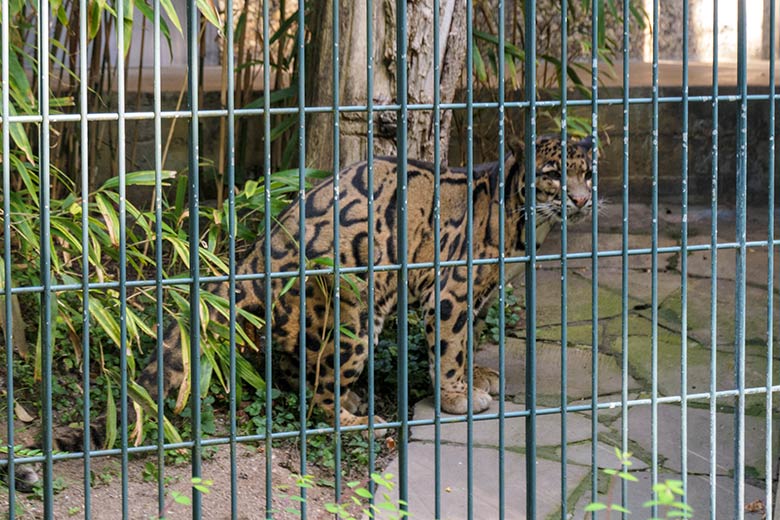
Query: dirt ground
pixel 142 493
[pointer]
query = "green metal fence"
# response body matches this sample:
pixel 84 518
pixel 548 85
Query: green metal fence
pixel 509 505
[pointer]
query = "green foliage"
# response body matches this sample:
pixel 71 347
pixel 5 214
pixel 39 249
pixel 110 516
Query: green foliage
pixel 512 312
pixel 285 418
pixel 362 499
pixel 200 484
pixel 552 71
pixel 57 485
pixel 666 493
pixel 386 361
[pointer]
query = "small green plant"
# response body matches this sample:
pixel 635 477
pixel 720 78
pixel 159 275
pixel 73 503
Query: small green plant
pixel 361 499
pixel 150 473
pixel 667 494
pixel 57 485
pixel 512 313
pixel 386 362
pixel 198 483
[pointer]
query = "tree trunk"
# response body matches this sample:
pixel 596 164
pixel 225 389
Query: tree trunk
pixel 353 78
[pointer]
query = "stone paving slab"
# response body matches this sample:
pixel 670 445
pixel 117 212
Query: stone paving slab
pixel 579 306
pixel 582 454
pixel 699 265
pixel 582 243
pixel 669 355
pixel 578 355
pixel 486 432
pixel 548 369
pixel 669 420
pixel 639 284
pixel 699 315
pixel 454 494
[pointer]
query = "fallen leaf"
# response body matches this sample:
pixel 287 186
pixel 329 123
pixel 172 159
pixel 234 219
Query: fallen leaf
pixel 22 414
pixel 756 506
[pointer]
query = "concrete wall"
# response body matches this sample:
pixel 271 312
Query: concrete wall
pixel 640 145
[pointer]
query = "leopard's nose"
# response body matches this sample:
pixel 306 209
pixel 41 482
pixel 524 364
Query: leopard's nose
pixel 579 200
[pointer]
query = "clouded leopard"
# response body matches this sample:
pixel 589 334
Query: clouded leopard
pixel 353 250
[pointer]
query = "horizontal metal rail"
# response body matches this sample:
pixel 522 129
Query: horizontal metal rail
pixel 247 112
pixel 390 425
pixel 553 257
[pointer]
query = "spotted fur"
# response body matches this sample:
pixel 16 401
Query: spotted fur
pixel 353 252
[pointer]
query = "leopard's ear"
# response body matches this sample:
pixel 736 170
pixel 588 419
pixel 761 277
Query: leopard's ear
pixel 586 143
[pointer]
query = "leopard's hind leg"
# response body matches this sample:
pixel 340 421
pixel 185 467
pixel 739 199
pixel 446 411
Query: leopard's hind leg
pixel 453 349
pixel 353 352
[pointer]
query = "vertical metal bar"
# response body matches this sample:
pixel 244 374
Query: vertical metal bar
pixel 194 209
pixel 370 231
pixel 770 273
pixel 403 256
pixel 654 269
pixel 470 256
pixel 85 337
pixel 594 89
pixel 267 285
pixel 231 182
pixel 564 260
pixel 684 264
pixel 122 169
pixel 741 236
pixel 624 251
pixel 301 43
pixel 45 263
pixel 158 246
pixel 336 252
pixel 7 275
pixel 501 261
pixel 530 246
pixel 437 481
pixel 713 466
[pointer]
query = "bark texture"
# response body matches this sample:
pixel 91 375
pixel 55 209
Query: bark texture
pixel 353 78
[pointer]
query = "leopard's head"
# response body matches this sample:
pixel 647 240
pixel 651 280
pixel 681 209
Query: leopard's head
pixel 579 186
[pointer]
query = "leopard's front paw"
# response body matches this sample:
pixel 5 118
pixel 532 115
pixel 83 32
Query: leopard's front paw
pixel 487 379
pixel 457 402
pixel 347 418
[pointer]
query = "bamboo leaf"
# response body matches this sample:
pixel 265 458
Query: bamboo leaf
pixel 148 13
pixel 139 178
pixel 210 13
pixel 602 31
pixel 19 136
pixel 111 428
pixel 284 26
pixel 479 65
pixel 110 218
pixel 95 13
pixel 276 96
pixel 167 6
pixel 244 369
pixel 509 48
pixel 206 371
pixel 184 390
pixel 104 319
